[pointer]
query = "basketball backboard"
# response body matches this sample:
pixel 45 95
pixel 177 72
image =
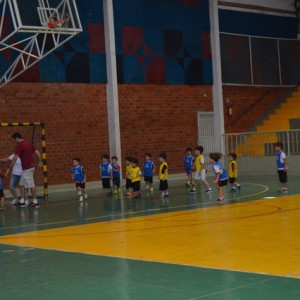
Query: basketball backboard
pixel 27 26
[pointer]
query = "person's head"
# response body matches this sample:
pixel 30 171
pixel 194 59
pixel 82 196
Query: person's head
pixel 114 159
pixel 134 162
pixel 76 161
pixel 128 160
pixel 214 157
pixel 148 156
pixel 278 146
pixel 105 158
pixel 199 150
pixel 163 157
pixel 232 156
pixel 188 151
pixel 17 137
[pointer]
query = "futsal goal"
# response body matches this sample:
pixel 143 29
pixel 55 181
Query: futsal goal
pixel 35 133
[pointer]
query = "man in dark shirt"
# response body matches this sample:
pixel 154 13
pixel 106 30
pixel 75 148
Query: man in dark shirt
pixel 25 150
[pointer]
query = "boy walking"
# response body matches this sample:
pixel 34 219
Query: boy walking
pixel 281 167
pixel 79 176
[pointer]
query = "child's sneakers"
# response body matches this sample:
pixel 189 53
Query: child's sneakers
pixel 151 189
pixel 165 195
pixel 208 191
pixel 14 202
pixel 233 190
pixel 86 196
pixel 188 183
pixel 193 191
pixel 80 199
pixel 220 201
pixel 239 187
pixel 34 205
pixel 129 193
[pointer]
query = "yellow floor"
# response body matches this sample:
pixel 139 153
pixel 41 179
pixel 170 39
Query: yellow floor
pixel 258 236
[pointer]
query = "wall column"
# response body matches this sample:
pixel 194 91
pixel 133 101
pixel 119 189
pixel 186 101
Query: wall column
pixel 112 96
pixel 219 129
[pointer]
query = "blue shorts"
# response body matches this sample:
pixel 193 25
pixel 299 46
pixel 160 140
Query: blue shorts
pixel 14 181
pixel 116 181
pixel 189 171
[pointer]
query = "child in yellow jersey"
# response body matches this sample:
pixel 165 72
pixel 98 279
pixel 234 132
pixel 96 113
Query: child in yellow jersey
pixel 200 171
pixel 163 176
pixel 233 173
pixel 136 175
pixel 128 163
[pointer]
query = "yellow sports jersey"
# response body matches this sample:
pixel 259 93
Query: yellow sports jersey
pixel 233 171
pixel 128 171
pixel 135 174
pixel 163 171
pixel 198 165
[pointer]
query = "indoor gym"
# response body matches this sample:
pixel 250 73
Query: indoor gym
pixel 162 91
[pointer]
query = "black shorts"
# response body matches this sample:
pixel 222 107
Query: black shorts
pixel 163 185
pixel 116 181
pixel 148 179
pixel 136 186
pixel 222 182
pixel 80 184
pixel 282 176
pixel 106 183
pixel 128 184
pixel 1 193
pixel 232 179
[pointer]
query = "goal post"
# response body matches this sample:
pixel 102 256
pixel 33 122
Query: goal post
pixel 31 135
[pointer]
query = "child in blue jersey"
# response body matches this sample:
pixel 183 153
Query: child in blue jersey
pixel 221 177
pixel 148 168
pixel 281 167
pixel 106 170
pixel 79 176
pixel 188 161
pixel 116 174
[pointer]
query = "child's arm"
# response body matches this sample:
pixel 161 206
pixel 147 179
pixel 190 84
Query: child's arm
pixel 153 168
pixel 285 164
pixel 84 175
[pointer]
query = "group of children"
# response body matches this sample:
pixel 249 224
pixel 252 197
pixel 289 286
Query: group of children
pixel 111 172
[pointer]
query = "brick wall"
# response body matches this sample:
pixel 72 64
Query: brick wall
pixel 76 123
pixel 157 118
pixel 153 118
pixel 249 105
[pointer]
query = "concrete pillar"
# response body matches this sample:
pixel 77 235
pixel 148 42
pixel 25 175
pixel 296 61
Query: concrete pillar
pixel 219 129
pixel 112 84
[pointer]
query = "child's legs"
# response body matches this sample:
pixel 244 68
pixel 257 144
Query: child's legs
pixel 2 198
pixel 221 184
pixel 203 179
pixel 189 174
pixel 136 186
pixel 14 180
pixel 233 182
pixel 78 188
pixel 128 184
pixel 283 178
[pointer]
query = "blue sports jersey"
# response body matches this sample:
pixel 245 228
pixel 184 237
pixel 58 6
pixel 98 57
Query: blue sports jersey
pixel 219 169
pixel 78 173
pixel 279 160
pixel 105 168
pixel 148 167
pixel 116 170
pixel 188 162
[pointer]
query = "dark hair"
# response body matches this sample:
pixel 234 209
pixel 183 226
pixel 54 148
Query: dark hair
pixel 17 135
pixel 199 148
pixel 76 159
pixel 129 158
pixel 188 149
pixel 215 156
pixel 135 161
pixel 148 154
pixel 115 158
pixel 105 156
pixel 163 155
pixel 233 155
pixel 278 144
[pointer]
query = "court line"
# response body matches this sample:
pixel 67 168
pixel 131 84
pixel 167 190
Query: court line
pixel 162 210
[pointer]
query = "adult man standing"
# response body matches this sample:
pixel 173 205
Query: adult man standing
pixel 25 150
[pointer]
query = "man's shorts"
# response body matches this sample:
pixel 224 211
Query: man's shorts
pixel 27 179
pixel 200 175
pixel 14 181
pixel 148 179
pixel 282 176
pixel 106 183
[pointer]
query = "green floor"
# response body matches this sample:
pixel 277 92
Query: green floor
pixel 41 274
